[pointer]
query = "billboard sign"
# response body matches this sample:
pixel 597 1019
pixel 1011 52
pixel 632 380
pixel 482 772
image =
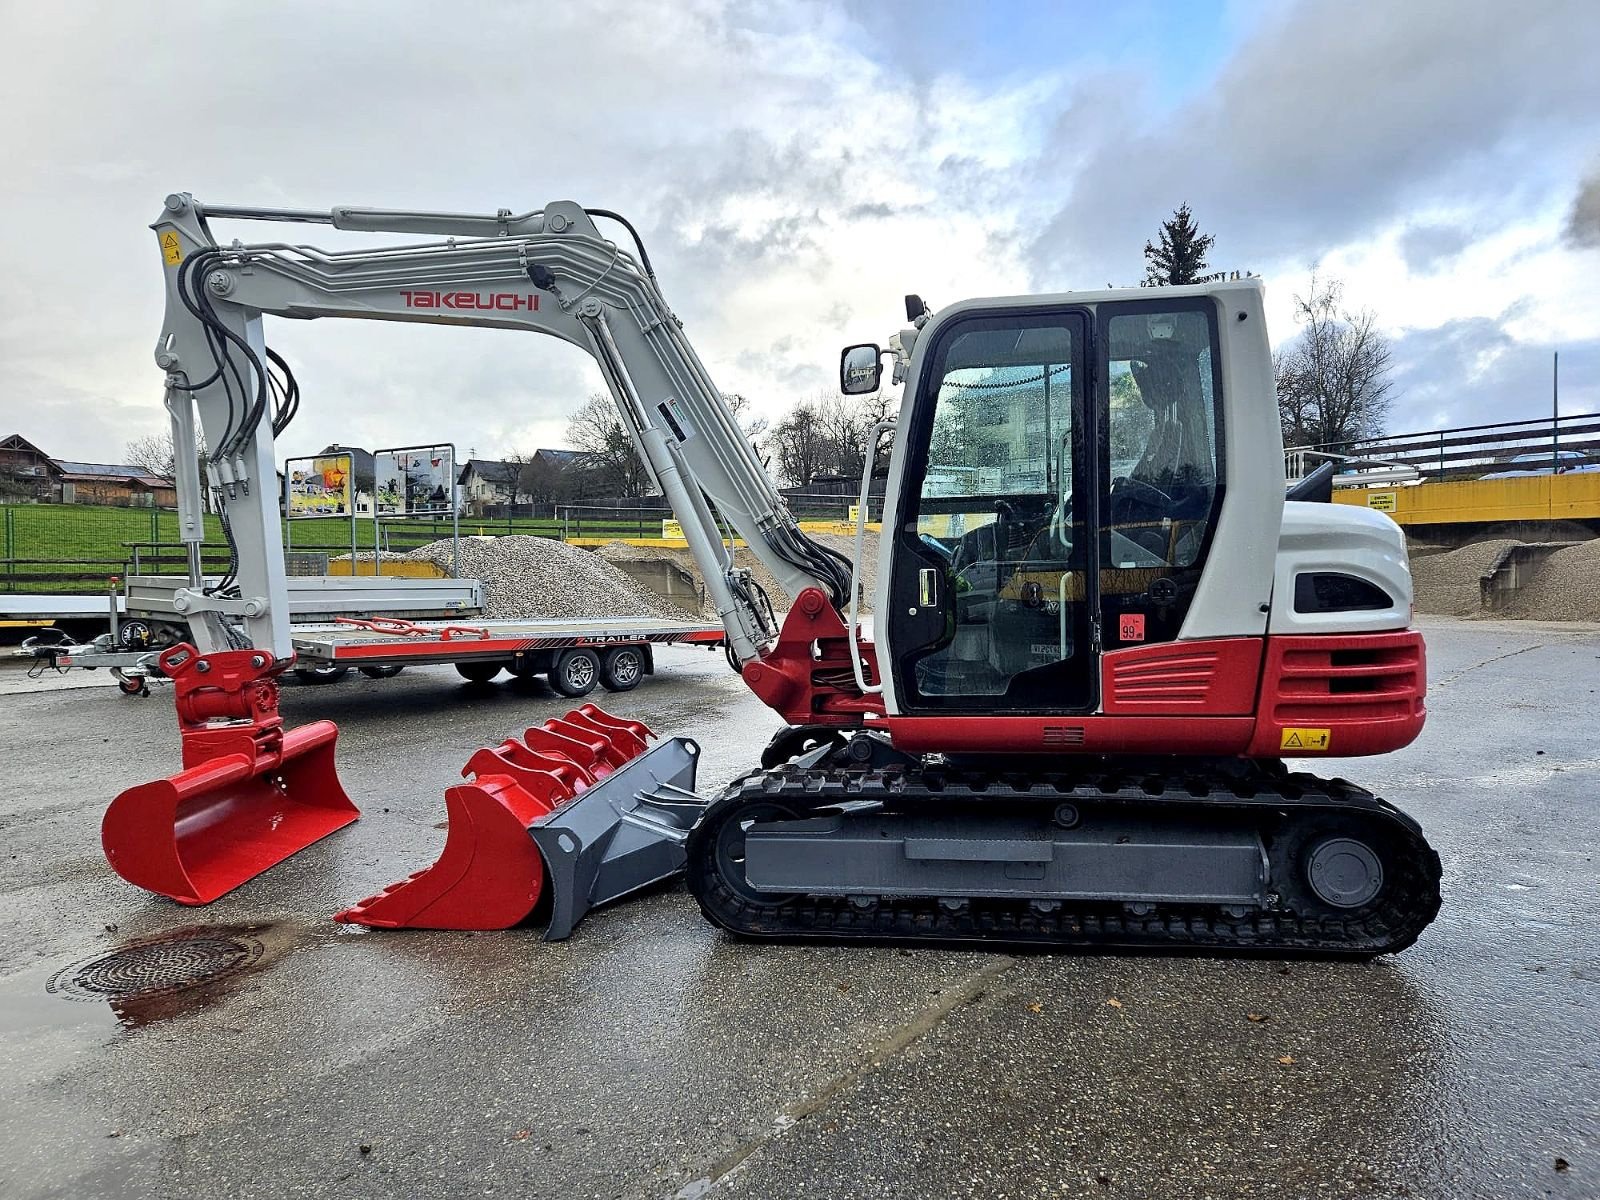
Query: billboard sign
pixel 420 480
pixel 323 486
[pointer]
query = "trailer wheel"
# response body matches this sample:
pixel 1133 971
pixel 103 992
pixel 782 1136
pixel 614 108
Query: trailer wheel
pixel 382 671
pixel 622 669
pixel 575 673
pixel 132 685
pixel 135 635
pixel 328 674
pixel 478 672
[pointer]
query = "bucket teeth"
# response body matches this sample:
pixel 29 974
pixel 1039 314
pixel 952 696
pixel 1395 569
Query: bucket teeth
pixel 566 809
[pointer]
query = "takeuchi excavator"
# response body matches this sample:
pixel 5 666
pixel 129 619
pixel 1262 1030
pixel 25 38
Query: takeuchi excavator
pixel 1101 624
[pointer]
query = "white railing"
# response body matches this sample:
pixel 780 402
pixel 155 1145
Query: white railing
pixel 1349 470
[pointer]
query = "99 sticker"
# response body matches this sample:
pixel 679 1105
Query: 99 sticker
pixel 1130 627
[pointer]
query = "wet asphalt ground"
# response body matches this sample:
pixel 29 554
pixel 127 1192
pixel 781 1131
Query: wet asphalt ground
pixel 652 1056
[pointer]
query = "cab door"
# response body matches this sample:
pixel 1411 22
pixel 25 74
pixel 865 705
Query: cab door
pixel 993 582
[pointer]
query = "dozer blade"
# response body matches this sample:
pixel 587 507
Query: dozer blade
pixel 579 806
pixel 250 795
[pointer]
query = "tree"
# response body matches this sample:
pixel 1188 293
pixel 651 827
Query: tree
pixel 154 455
pixel 597 430
pixel 826 435
pixel 1332 380
pixel 534 481
pixel 744 414
pixel 798 445
pixel 1181 255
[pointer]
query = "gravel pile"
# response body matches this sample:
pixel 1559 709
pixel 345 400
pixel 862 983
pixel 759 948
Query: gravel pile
pixel 532 577
pixel 1448 584
pixel 781 600
pixel 1566 587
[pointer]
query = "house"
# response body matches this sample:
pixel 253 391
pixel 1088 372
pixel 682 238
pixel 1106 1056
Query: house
pixel 27 472
pixel 545 477
pixel 113 484
pixel 488 481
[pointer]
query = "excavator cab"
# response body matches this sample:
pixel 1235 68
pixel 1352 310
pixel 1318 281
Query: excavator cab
pixel 1060 477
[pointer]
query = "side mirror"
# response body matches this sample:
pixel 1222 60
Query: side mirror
pixel 860 372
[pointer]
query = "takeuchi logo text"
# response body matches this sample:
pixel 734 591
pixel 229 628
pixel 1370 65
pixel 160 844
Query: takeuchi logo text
pixel 476 301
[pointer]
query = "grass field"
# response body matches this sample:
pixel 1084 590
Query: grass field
pixel 75 547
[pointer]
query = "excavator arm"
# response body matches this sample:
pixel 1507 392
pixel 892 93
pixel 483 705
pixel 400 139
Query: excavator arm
pixel 548 271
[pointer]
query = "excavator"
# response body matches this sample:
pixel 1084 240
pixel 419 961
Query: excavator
pixel 1101 624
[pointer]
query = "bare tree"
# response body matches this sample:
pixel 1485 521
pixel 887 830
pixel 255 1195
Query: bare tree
pixel 744 414
pixel 798 444
pixel 596 430
pixel 1333 380
pixel 154 454
pixel 825 434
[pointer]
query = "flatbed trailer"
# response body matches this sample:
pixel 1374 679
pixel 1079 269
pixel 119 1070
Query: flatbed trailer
pixel 576 655
pixel 76 614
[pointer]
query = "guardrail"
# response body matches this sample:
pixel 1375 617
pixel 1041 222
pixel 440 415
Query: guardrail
pixel 1469 451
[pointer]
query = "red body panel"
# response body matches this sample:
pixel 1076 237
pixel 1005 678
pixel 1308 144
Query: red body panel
pixel 1233 696
pixel 1210 679
pixel 1090 734
pixel 1365 689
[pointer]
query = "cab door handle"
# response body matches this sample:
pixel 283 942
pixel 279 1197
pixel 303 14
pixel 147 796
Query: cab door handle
pixel 927 587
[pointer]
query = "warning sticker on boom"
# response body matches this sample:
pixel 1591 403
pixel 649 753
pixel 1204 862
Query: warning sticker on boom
pixel 1305 739
pixel 171 248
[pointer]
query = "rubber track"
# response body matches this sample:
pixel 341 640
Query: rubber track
pixel 1271 801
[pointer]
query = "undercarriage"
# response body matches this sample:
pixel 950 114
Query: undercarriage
pixel 1212 856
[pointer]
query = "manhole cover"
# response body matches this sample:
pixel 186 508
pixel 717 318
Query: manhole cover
pixel 157 967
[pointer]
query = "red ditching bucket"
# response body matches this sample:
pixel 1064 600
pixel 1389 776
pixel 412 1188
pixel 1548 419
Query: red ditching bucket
pixel 250 795
pixel 492 872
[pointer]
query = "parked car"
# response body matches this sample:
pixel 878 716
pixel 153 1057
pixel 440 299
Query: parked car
pixel 1537 462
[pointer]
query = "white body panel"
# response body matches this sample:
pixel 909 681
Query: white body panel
pixel 1347 540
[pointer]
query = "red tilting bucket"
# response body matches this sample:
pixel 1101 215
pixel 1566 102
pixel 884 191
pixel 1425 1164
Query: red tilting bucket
pixel 490 874
pixel 250 795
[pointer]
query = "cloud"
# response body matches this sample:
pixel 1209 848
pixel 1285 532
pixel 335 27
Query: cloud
pixel 1427 247
pixel 1470 371
pixel 1332 119
pixel 1583 223
pixel 794 169
pixel 763 157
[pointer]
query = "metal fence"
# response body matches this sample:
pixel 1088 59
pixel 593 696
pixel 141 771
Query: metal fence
pixel 1468 451
pixel 78 547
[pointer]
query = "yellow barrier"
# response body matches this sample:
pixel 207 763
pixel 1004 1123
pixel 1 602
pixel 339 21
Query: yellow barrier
pixel 394 570
pixel 1574 496
pixel 841 528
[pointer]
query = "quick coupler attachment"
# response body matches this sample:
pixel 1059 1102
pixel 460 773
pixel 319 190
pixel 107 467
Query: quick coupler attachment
pixel 578 806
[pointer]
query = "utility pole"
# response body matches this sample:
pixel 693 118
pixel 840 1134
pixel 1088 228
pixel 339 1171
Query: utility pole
pixel 1555 412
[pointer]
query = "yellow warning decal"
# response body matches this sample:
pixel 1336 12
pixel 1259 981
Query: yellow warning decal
pixel 171 248
pixel 1305 739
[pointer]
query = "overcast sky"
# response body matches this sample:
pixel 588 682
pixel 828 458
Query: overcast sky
pixel 795 169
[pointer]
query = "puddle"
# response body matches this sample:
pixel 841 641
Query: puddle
pixel 143 980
